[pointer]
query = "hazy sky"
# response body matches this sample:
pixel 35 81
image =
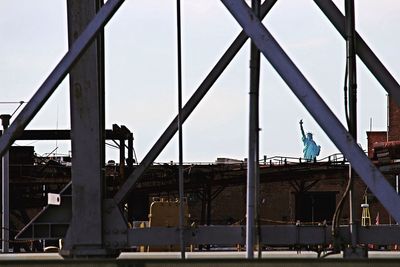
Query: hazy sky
pixel 141 87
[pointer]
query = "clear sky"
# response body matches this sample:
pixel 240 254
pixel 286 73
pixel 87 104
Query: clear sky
pixel 141 87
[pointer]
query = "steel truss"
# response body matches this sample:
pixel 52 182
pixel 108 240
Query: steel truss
pixel 97 227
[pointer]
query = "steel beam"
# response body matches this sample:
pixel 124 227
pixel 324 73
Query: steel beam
pixel 351 66
pixel 253 148
pixel 66 135
pixel 352 87
pixel 5 192
pixel 188 108
pixel 53 224
pixel 58 74
pixel 272 235
pixel 315 105
pixel 180 130
pixel 85 235
pixel 130 160
pixel 218 235
pixel 367 56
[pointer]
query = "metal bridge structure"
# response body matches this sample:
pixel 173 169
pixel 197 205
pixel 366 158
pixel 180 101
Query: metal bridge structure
pixel 97 227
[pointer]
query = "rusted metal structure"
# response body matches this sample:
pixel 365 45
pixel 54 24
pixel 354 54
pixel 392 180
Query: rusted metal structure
pixel 31 177
pixel 97 227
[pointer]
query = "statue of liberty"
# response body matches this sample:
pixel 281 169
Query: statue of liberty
pixel 311 149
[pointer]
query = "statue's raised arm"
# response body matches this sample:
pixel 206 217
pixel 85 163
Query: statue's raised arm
pixel 301 128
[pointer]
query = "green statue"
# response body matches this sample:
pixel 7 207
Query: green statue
pixel 311 149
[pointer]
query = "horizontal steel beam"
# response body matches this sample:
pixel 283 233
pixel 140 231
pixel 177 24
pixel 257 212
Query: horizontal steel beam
pixel 271 235
pixel 61 135
pixel 379 234
pixel 315 105
pixel 58 74
pixel 222 235
pixel 202 259
pixel 55 227
pixel 367 56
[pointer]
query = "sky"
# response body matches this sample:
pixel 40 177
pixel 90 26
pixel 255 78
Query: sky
pixel 141 73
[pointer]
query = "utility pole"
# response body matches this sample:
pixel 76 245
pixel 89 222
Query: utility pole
pixel 5 182
pixel 180 134
pixel 252 163
pixel 352 85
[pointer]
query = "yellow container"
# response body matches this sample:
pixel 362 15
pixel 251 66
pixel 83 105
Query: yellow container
pixel 165 213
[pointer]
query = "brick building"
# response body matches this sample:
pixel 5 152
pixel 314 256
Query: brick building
pixel 393 128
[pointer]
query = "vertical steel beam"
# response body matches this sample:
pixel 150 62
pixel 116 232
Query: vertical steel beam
pixel 366 55
pixel 130 160
pixel 352 80
pixel 58 74
pixel 209 199
pixel 188 108
pixel 180 131
pixel 121 158
pixel 252 163
pixel 315 105
pixel 5 189
pixel 256 5
pixel 352 67
pixel 87 131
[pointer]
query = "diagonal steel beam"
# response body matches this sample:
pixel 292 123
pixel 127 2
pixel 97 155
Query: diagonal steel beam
pixel 315 105
pixel 58 74
pixel 367 56
pixel 188 108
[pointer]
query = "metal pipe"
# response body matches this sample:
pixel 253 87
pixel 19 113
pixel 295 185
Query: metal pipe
pixel 188 108
pixel 256 79
pixel 367 56
pixel 180 132
pixel 209 202
pixel 122 158
pixel 130 160
pixel 304 91
pixel 252 162
pixel 352 67
pixel 352 80
pixel 250 199
pixel 100 45
pixel 5 183
pixel 58 74
pixel 387 117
